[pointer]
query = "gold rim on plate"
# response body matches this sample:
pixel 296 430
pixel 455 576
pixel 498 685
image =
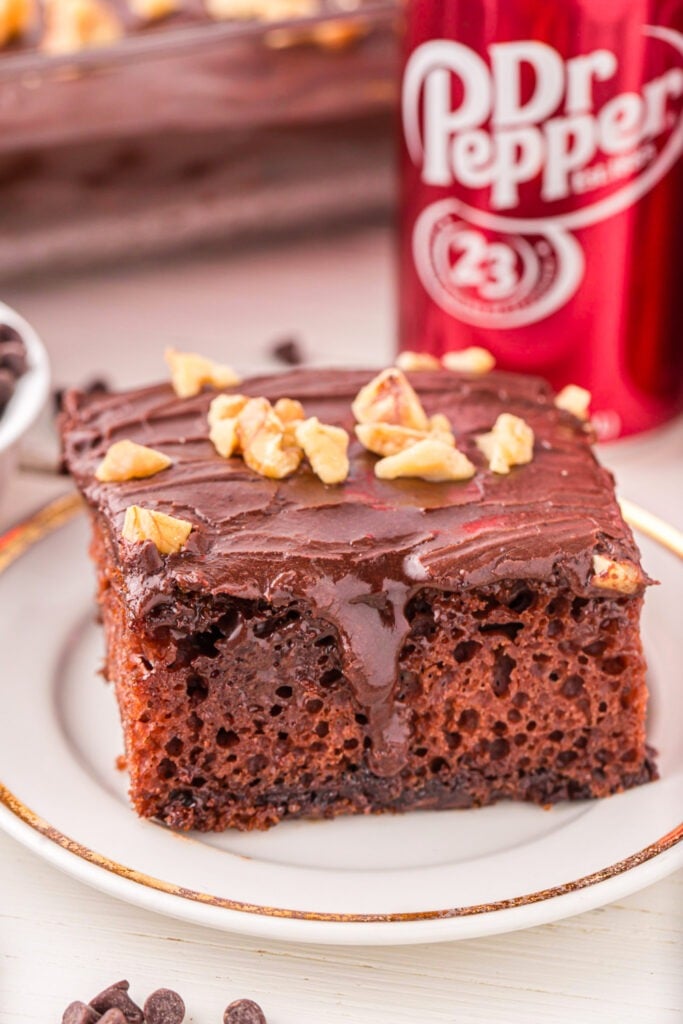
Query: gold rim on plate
pixel 24 535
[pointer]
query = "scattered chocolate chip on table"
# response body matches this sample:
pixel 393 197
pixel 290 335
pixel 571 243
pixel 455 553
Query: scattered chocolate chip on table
pixel 113 1005
pixel 164 1007
pixel 116 998
pixel 243 1011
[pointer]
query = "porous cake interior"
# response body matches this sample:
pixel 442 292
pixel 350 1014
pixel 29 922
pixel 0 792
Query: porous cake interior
pixel 236 713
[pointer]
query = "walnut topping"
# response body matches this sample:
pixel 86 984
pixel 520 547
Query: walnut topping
pixel 575 400
pixel 393 424
pixel 223 413
pixel 290 413
pixel 264 10
pixel 262 439
pixel 430 459
pixel 440 426
pixel 152 10
pixel 167 533
pixel 226 407
pixel 325 448
pixel 469 360
pixel 126 460
pixel 389 398
pixel 223 436
pixel 16 16
pixel 191 372
pixel 73 25
pixel 274 439
pixel 624 577
pixel 388 438
pixel 289 410
pixel 510 443
pixel 417 361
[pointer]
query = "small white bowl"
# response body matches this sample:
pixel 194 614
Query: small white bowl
pixel 29 396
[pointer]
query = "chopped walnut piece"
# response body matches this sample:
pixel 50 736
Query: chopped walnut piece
pixel 126 460
pixel 263 10
pixel 290 413
pixel 262 438
pixel 223 436
pixel 223 413
pixel 72 25
pixel 16 17
pixel 191 372
pixel 167 533
pixel 325 447
pixel 289 410
pixel 431 460
pixel 255 414
pixel 469 360
pixel 389 398
pixel 226 407
pixel 575 400
pixel 387 438
pixel 510 443
pixel 152 10
pixel 417 361
pixel 624 577
pixel 440 427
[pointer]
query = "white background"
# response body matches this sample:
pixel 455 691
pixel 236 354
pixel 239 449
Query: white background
pixel 60 941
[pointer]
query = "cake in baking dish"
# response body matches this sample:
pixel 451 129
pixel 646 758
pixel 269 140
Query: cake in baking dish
pixel 333 592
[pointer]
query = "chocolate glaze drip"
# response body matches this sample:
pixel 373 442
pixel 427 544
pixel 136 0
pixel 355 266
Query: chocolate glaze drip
pixel 356 553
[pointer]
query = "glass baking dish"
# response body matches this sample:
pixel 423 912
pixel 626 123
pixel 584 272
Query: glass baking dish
pixel 195 132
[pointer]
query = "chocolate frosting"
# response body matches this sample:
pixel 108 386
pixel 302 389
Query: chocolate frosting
pixel 357 552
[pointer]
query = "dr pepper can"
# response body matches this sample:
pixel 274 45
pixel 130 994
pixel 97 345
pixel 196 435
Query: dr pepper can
pixel 542 194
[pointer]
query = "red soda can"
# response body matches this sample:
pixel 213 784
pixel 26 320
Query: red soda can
pixel 542 194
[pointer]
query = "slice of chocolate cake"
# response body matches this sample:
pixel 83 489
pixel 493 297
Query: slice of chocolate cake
pixel 452 618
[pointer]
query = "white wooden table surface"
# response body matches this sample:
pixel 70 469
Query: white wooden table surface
pixel 61 941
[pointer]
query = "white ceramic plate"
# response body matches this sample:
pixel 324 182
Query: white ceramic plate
pixel 390 879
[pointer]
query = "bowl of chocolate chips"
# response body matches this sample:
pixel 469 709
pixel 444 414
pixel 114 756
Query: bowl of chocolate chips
pixel 24 385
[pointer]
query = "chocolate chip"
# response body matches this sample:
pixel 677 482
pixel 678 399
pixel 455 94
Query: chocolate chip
pixel 7 384
pixel 79 1013
pixel 113 1016
pixel 116 997
pixel 288 351
pixel 123 985
pixel 96 386
pixel 8 333
pixel 244 1011
pixel 164 1007
pixel 13 357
